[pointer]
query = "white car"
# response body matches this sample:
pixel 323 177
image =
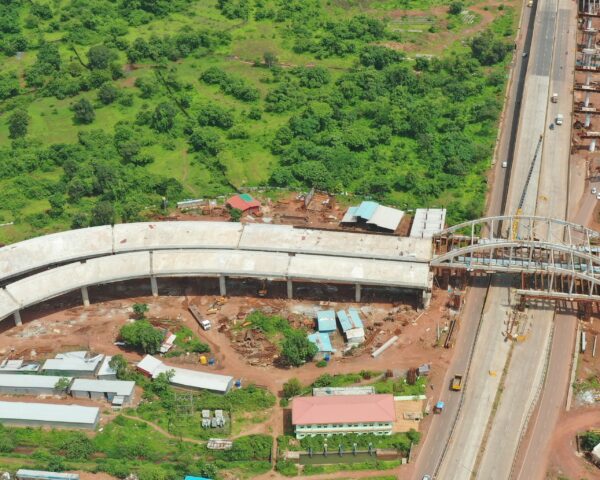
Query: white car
pixel 594 190
pixel 598 197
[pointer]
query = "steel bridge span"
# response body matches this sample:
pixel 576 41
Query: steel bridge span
pixel 554 258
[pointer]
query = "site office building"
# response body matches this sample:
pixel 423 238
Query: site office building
pixel 343 414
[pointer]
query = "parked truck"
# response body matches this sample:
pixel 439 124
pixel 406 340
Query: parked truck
pixel 205 324
pixel 457 383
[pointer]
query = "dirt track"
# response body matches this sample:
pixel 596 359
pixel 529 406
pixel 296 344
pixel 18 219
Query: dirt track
pixel 564 460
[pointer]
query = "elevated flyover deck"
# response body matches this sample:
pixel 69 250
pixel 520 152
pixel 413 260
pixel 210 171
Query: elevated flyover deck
pixel 45 267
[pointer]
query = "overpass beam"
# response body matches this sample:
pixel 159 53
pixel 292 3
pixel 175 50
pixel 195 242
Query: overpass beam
pixel 290 289
pixel 154 286
pixel 357 292
pixel 85 296
pixel 222 285
pixel 17 317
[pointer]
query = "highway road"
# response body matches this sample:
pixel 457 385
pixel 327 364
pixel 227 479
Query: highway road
pixel 496 405
pixel 436 441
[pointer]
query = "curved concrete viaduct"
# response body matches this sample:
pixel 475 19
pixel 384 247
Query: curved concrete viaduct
pixel 41 268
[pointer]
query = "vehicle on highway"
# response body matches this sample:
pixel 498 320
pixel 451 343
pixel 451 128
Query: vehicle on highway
pixel 439 407
pixel 598 197
pixel 456 384
pixel 504 164
pixel 559 119
pixel 524 54
pixel 530 3
pixel 552 126
pixel 426 477
pixel 554 98
pixel 594 190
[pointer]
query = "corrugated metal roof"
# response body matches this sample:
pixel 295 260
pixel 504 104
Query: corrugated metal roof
pixel 350 215
pixel 328 391
pixel 243 202
pixel 105 368
pixel 322 341
pixel 366 210
pixel 29 381
pixel 149 364
pixel 326 320
pixel 18 366
pixel 73 361
pixel 46 475
pixel 48 412
pixel 348 322
pixel 189 477
pixel 386 217
pixel 340 409
pixel 427 221
pixel 196 379
pixel 118 387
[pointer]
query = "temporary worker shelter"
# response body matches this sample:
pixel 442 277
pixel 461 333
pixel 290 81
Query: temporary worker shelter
pixel 117 392
pixel 24 474
pixel 326 321
pixel 243 202
pixel 74 364
pixel 18 366
pixel 184 378
pixel 322 341
pixel 105 372
pixel 17 384
pixel 352 326
pixel 48 415
pixel 375 215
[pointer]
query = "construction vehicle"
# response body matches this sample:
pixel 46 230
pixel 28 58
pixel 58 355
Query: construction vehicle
pixel 456 383
pixel 515 225
pixel 205 324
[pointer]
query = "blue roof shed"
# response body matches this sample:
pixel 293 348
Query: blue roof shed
pixel 322 341
pixel 348 322
pixel 190 477
pixel 326 321
pixel 366 210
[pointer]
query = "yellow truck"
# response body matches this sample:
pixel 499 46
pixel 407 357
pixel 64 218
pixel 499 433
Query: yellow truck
pixel 456 384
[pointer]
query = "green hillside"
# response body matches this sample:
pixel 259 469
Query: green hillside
pixel 108 105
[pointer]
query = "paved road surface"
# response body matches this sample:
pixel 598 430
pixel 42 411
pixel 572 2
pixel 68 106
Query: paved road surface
pixel 435 442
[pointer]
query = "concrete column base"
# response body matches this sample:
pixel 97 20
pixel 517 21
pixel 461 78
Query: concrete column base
pixel 426 298
pixel 290 289
pixel 85 296
pixel 154 286
pixel 17 317
pixel 222 285
pixel 357 292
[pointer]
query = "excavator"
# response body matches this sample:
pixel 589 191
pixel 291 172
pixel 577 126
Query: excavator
pixel 515 224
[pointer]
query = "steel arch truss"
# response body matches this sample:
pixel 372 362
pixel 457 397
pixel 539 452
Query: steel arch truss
pixel 556 259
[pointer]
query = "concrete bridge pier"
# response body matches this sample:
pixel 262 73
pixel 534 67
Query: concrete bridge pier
pixel 290 289
pixel 222 285
pixel 426 298
pixel 357 292
pixel 17 317
pixel 85 296
pixel 154 286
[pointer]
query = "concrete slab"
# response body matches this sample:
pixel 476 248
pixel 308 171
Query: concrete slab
pixel 23 257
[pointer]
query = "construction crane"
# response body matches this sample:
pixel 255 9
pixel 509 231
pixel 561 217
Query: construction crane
pixel 515 225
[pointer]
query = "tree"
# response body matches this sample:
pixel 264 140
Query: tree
pixel 141 334
pixel 99 57
pixel 296 349
pixel 103 213
pixel 18 123
pixel 78 447
pixel 83 112
pixel 292 388
pixel 455 8
pixel 205 140
pixel 140 310
pixel 163 117
pixel 57 205
pixel 214 115
pixel 270 59
pixel 62 384
pixel 119 365
pixel 108 93
pixel 235 214
pixel 488 49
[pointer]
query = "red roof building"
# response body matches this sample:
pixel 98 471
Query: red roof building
pixel 341 414
pixel 243 202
